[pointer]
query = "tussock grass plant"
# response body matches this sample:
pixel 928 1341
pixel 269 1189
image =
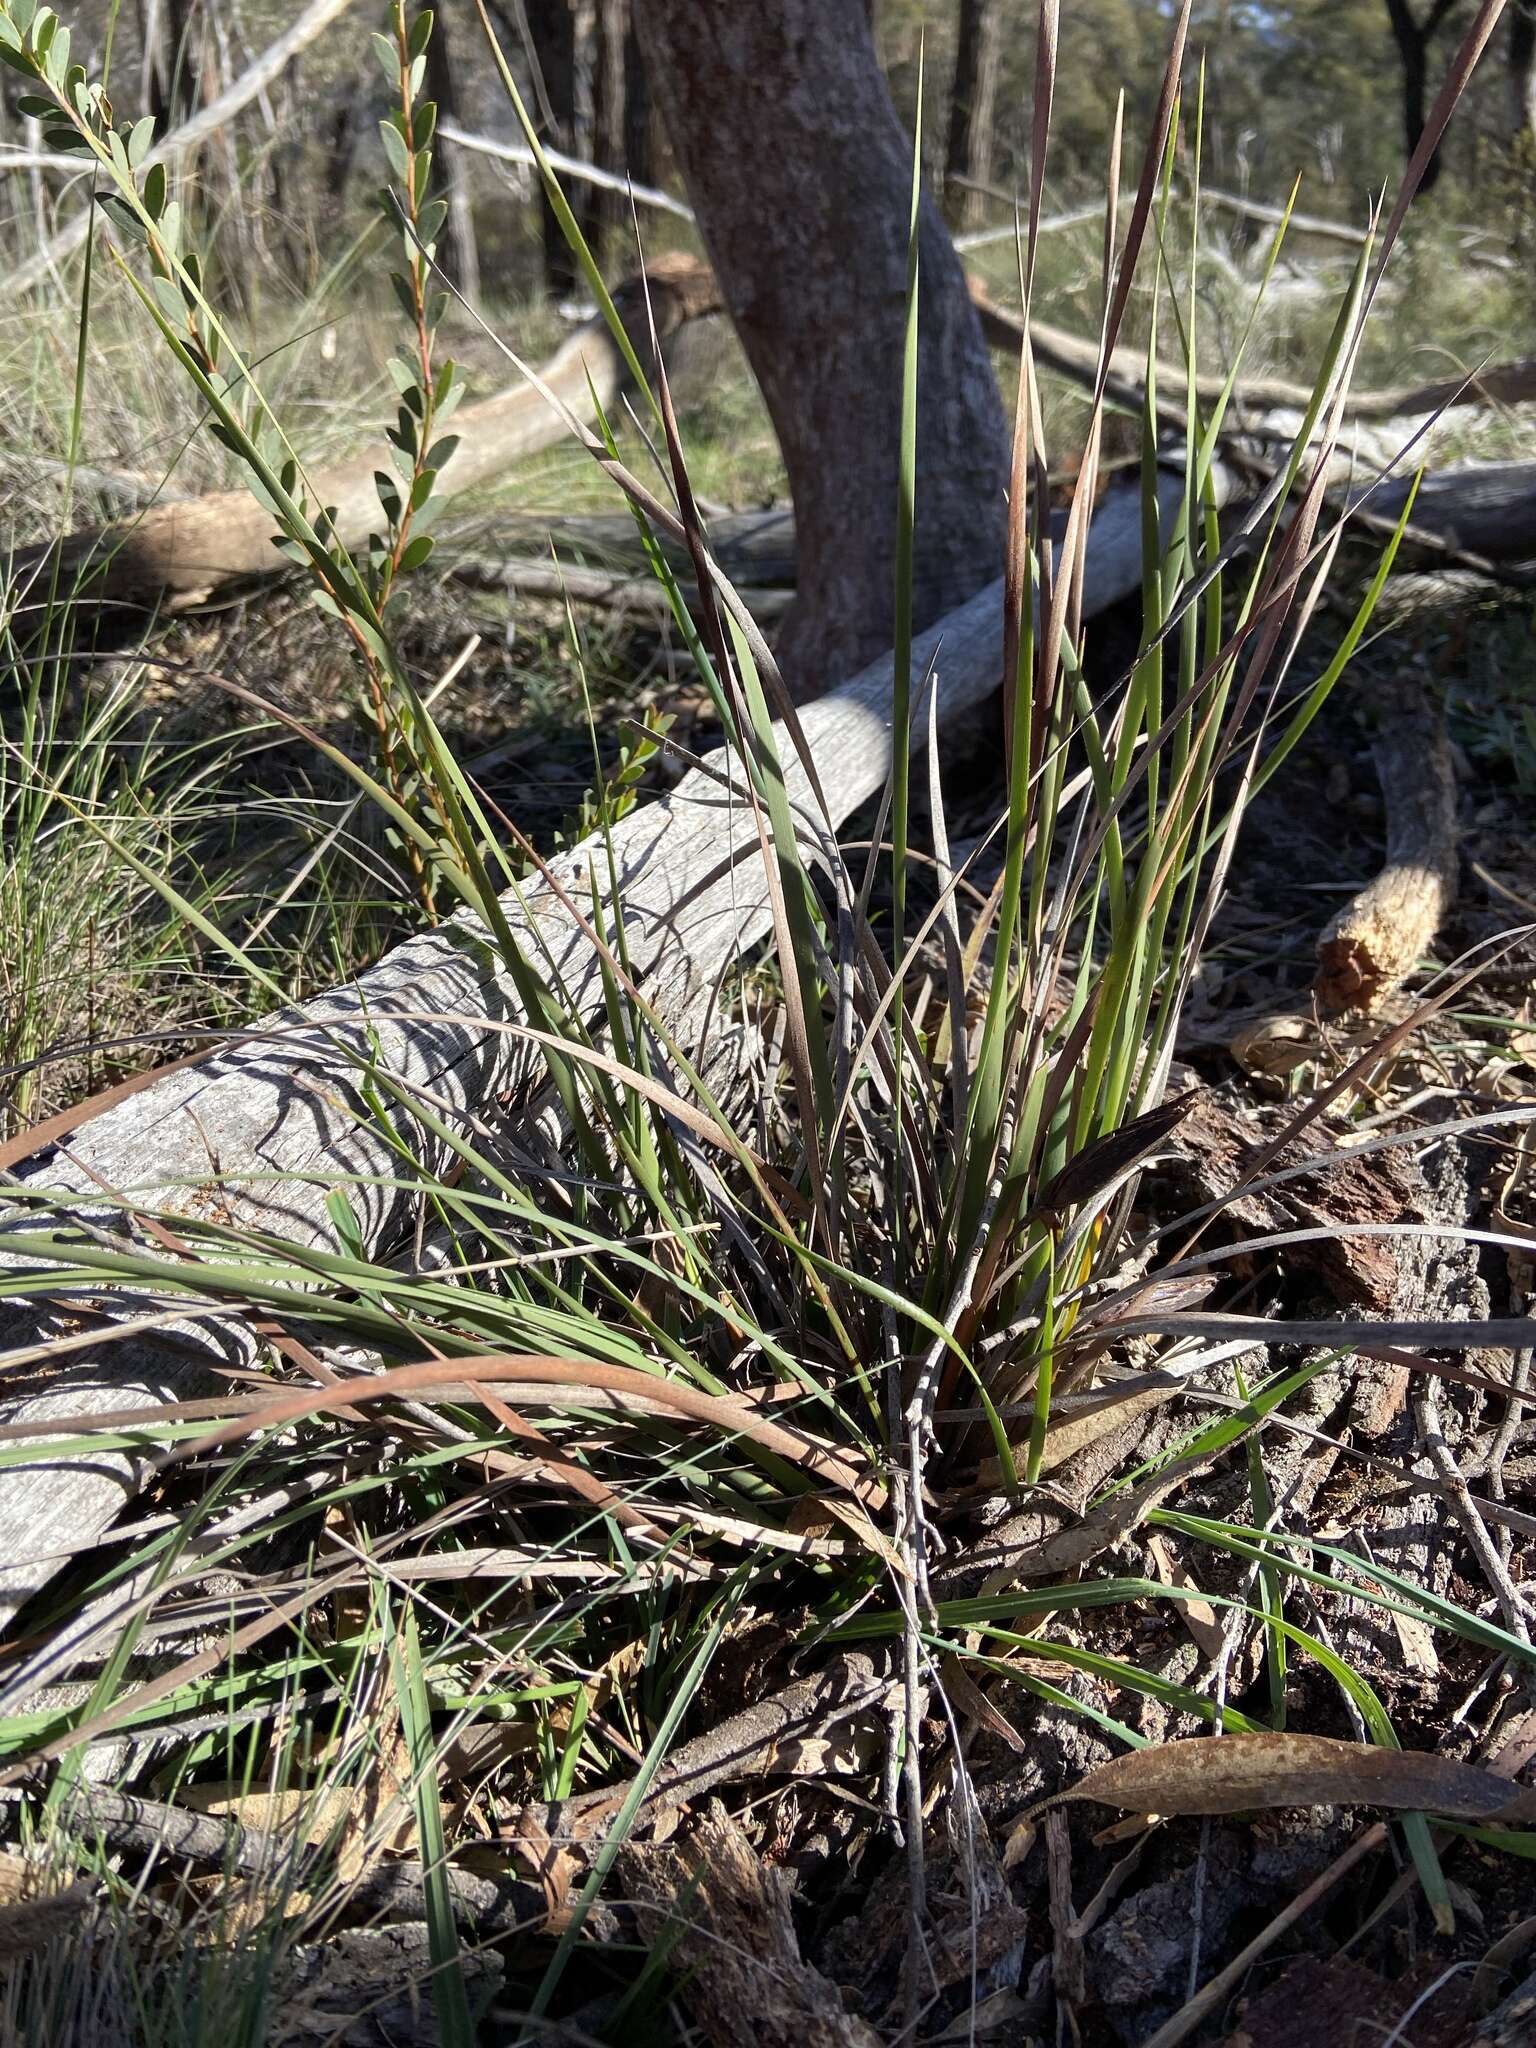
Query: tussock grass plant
pixel 715 1350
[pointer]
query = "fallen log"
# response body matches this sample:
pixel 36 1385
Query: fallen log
pixel 1093 209
pixel 576 167
pixel 1484 512
pixel 1485 509
pixel 759 1740
pixel 186 549
pixel 1276 216
pixel 751 547
pixel 1377 940
pixel 183 551
pixel 1077 357
pixel 258 1135
pixel 628 595
pixel 1470 238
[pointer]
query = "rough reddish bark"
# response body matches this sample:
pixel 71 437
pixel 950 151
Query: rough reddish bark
pixel 801 177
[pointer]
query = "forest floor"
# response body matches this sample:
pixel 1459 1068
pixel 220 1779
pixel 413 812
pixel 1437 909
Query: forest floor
pixel 1073 1929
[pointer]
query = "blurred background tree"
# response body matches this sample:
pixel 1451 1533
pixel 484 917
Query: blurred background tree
pixel 1327 87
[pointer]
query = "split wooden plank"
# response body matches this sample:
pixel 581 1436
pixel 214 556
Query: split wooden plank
pixel 259 1134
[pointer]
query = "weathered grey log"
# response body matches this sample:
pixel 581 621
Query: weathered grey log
pixel 751 547
pixel 564 167
pixel 1488 509
pixel 637 595
pixel 284 1106
pixel 182 550
pixel 1093 209
pixel 1275 216
pixel 1485 508
pixel 1077 356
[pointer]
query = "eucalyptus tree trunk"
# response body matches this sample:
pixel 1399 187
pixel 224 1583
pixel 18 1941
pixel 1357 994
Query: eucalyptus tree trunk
pixel 1413 38
pixel 801 177
pixel 1522 69
pixel 461 252
pixel 610 213
pixel 639 153
pixel 552 38
pixel 972 108
pixel 166 82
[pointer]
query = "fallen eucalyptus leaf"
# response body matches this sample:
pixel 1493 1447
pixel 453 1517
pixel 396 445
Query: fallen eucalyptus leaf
pixel 1233 1773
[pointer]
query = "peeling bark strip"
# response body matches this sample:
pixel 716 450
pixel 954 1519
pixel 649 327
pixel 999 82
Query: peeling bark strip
pixel 725 1917
pixel 187 548
pixel 257 1135
pixel 810 246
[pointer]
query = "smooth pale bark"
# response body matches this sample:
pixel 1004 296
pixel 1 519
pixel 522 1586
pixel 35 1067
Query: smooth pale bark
pixel 800 175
